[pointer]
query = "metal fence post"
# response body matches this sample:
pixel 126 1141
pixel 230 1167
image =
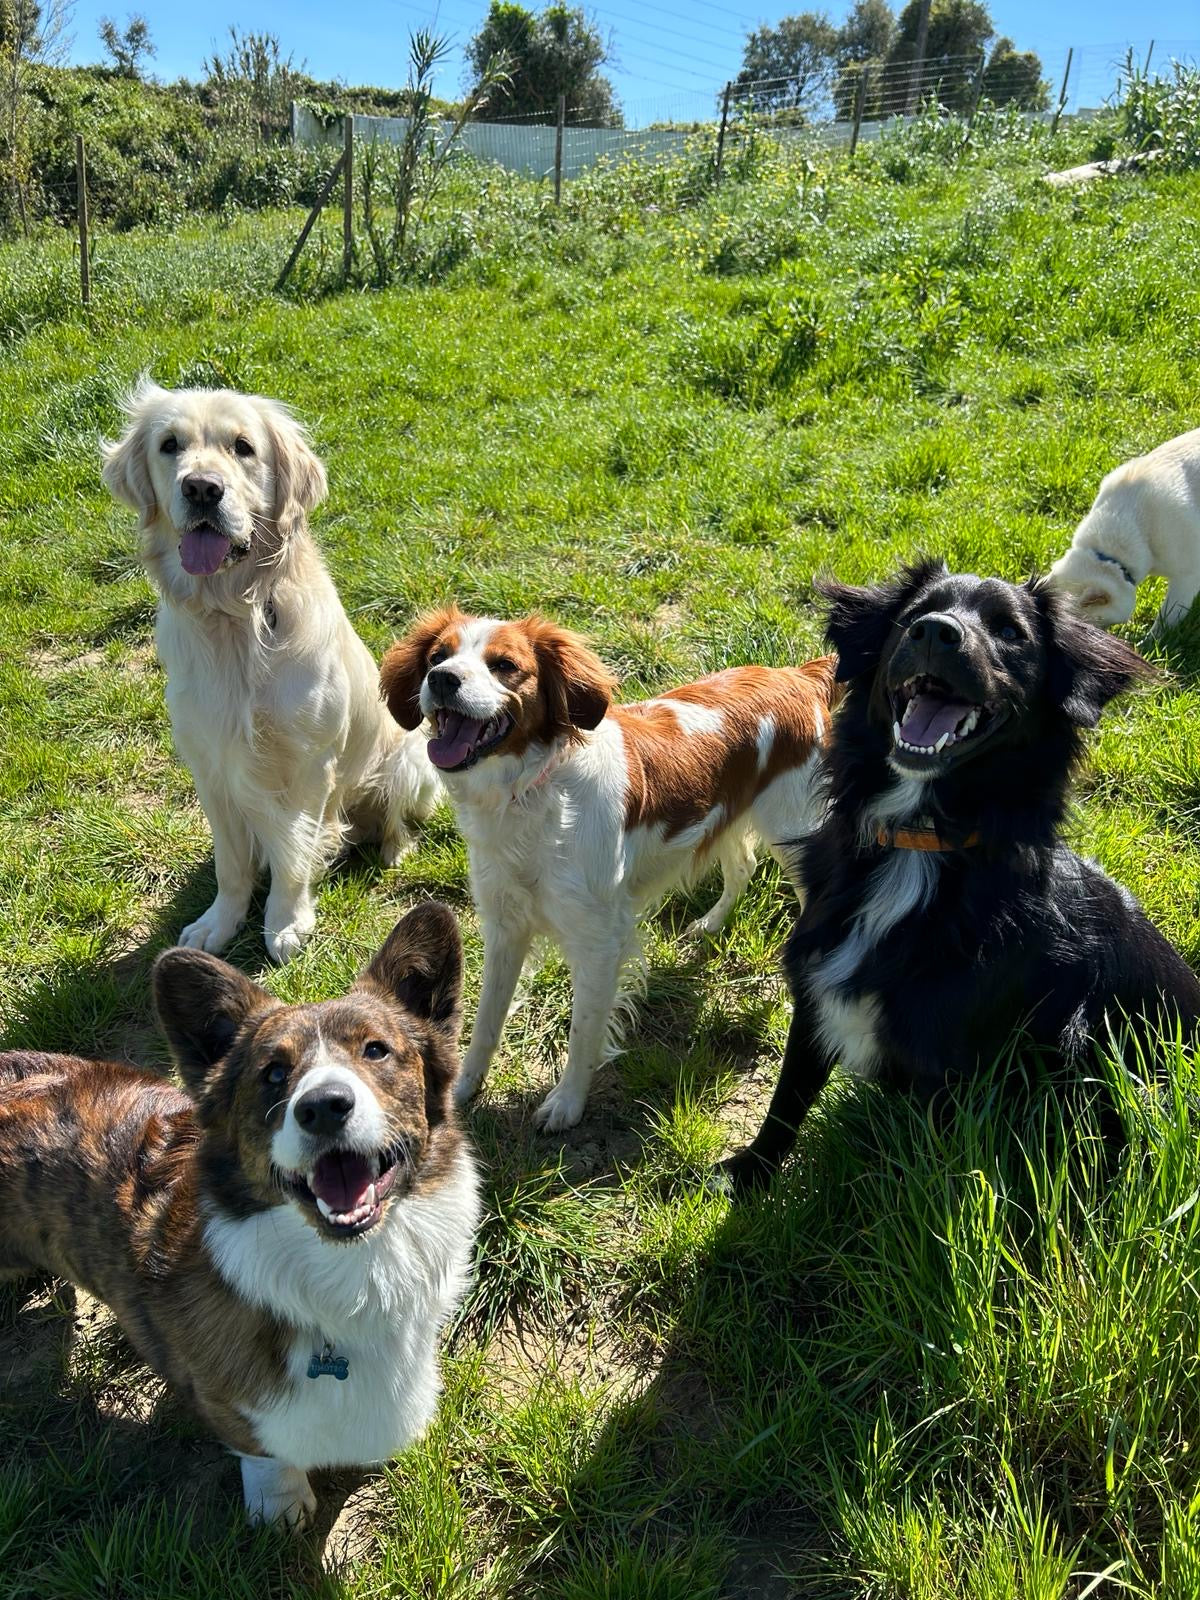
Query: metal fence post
pixel 860 100
pixel 558 144
pixel 721 132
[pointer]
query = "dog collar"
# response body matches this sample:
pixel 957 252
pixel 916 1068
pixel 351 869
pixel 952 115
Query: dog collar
pixel 924 837
pixel 1129 577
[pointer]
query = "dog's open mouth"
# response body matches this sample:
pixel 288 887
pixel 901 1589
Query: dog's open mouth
pixel 348 1187
pixel 460 741
pixel 203 550
pixel 932 721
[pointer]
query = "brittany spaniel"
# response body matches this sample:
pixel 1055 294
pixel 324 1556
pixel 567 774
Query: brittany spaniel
pixel 579 814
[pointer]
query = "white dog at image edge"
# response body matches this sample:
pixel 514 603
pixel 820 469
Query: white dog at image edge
pixel 1144 522
pixel 273 697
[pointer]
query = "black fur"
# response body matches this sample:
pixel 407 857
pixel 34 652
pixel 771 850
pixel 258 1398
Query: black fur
pixel 1019 938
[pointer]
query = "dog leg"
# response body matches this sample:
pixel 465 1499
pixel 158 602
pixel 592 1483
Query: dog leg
pixel 803 1075
pixel 275 1492
pixel 595 980
pixel 1181 591
pixel 233 857
pixel 738 860
pixel 505 947
pixel 295 854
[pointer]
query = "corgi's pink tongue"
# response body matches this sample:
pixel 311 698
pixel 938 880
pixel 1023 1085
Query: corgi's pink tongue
pixel 455 740
pixel 202 550
pixel 342 1180
pixel 929 717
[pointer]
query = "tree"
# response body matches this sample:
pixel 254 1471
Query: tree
pixel 1015 77
pixel 255 81
pixel 790 66
pixel 558 52
pixel 127 49
pixel 31 35
pixel 866 34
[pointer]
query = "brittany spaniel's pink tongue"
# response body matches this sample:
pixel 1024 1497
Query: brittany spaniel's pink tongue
pixel 455 740
pixel 202 550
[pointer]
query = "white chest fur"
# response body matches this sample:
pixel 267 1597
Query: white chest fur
pixel 380 1302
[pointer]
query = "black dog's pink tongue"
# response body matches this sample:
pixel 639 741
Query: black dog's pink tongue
pixel 928 717
pixel 455 740
pixel 202 550
pixel 342 1179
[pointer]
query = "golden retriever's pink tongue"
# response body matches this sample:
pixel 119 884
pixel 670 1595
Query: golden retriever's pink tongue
pixel 201 551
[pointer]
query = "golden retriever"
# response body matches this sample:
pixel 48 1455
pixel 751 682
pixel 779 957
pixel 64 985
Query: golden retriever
pixel 273 697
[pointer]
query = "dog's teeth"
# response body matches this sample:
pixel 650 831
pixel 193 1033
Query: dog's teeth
pixel 941 744
pixel 371 1201
pixel 896 733
pixel 326 1211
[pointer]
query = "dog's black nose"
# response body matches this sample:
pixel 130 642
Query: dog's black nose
pixel 936 628
pixel 203 488
pixel 444 682
pixel 325 1108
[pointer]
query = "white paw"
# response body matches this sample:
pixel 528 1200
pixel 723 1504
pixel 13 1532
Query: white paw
pixel 561 1109
pixel 396 848
pixel 704 927
pixel 214 929
pixel 466 1085
pixel 274 1493
pixel 288 941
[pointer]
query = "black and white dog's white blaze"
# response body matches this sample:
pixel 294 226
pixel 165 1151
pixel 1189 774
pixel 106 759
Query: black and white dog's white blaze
pixel 944 918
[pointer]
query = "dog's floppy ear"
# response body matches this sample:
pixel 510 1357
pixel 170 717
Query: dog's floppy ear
pixel 402 671
pixel 859 620
pixel 126 471
pixel 1085 667
pixel 577 687
pixel 201 1003
pixel 420 967
pixel 300 481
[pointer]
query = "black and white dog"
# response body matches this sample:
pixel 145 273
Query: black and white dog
pixel 944 917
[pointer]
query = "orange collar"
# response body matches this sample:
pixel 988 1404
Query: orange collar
pixel 922 839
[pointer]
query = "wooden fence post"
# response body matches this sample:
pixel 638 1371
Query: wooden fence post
pixel 860 100
pixel 721 132
pixel 1062 93
pixel 322 198
pixel 976 90
pixel 347 193
pixel 558 144
pixel 85 266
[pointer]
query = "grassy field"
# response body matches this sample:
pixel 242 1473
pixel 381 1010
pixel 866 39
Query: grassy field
pixel 942 1362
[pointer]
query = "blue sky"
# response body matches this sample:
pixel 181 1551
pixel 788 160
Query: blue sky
pixel 670 55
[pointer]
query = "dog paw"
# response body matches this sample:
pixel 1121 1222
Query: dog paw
pixel 561 1109
pixel 466 1085
pixel 288 941
pixel 213 930
pixel 275 1494
pixel 703 928
pixel 743 1174
pixel 396 848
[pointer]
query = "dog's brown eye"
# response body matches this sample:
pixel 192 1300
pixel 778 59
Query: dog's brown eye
pixel 243 447
pixel 439 655
pixel 169 445
pixel 1007 631
pixel 503 664
pixel 275 1073
pixel 375 1050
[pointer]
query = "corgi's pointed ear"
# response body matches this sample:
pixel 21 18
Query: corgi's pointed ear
pixel 420 967
pixel 202 1003
pixel 576 687
pixel 860 619
pixel 402 671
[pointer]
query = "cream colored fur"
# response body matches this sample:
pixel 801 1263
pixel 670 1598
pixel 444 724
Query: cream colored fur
pixel 1147 517
pixel 273 698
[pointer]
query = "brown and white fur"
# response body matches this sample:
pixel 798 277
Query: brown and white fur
pixel 273 697
pixel 1144 522
pixel 194 1215
pixel 579 814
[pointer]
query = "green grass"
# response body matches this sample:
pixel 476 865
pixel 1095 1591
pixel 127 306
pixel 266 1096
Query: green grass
pixel 942 1361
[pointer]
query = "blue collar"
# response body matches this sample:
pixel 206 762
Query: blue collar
pixel 1129 577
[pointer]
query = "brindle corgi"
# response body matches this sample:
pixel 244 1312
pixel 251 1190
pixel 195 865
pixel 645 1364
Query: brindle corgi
pixel 284 1240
